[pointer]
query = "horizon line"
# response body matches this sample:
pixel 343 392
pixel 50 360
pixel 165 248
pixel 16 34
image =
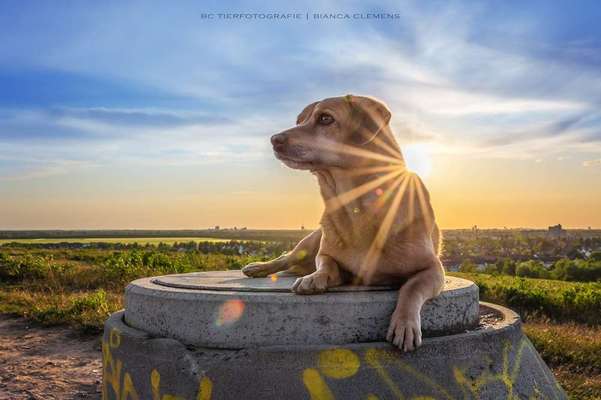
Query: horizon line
pixel 266 229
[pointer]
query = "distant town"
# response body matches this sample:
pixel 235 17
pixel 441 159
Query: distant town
pixel 474 247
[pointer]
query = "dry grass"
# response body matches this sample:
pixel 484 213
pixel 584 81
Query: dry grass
pixel 81 288
pixel 83 310
pixel 575 345
pixel 578 386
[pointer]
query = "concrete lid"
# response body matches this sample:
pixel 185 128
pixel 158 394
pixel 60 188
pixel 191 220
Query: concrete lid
pixel 238 282
pixel 224 309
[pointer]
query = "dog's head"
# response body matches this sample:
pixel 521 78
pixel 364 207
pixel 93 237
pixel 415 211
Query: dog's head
pixel 343 132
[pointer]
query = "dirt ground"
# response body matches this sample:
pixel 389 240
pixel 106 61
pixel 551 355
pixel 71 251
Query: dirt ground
pixel 47 363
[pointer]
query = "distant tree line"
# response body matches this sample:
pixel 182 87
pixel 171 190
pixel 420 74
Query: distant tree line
pixel 565 269
pixel 481 249
pixel 231 247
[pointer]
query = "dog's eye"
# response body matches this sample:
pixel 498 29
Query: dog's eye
pixel 325 119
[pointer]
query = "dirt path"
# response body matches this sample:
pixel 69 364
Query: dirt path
pixel 47 363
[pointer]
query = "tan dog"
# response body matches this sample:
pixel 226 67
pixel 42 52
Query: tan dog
pixel 378 226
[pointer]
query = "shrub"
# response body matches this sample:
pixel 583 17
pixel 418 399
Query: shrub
pixel 555 300
pixel 24 267
pixel 531 269
pixel 577 270
pixel 595 255
pixel 492 269
pixel 507 267
pixel 468 266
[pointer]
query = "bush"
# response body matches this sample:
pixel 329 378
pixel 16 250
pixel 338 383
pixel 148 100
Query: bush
pixel 507 267
pixel 531 269
pixel 16 269
pixel 468 266
pixel 577 270
pixel 595 255
pixel 492 269
pixel 87 310
pixel 121 267
pixel 555 300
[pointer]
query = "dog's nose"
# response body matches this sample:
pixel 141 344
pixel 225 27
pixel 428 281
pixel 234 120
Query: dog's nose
pixel 278 141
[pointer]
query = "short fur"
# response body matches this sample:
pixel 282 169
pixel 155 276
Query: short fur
pixel 378 226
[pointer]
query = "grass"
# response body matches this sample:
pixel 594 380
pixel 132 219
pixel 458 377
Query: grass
pixel 82 287
pixel 573 352
pixel 126 240
pixel 541 298
pixel 562 321
pixel 567 344
pixel 85 310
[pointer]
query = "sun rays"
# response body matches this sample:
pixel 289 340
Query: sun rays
pixel 403 205
pixel 411 200
pixel 346 198
pixel 343 148
pixel 398 201
pixel 375 249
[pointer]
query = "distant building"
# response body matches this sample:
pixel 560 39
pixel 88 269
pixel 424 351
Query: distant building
pixel 556 230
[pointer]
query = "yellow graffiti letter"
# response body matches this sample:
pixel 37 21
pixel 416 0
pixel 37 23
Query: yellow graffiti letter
pixel 129 391
pixel 316 386
pixel 111 372
pixel 205 389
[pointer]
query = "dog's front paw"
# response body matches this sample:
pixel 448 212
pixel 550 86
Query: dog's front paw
pixel 258 269
pixel 405 332
pixel 314 283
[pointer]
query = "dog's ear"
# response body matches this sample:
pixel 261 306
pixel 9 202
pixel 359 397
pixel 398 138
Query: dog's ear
pixel 370 117
pixel 305 113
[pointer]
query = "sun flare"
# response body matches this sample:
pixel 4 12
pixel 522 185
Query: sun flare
pixel 418 158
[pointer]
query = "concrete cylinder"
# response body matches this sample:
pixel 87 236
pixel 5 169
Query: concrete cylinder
pixel 171 342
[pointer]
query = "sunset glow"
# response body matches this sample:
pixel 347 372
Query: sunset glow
pixel 112 117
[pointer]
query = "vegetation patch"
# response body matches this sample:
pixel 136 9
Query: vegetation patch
pixel 541 298
pixel 58 284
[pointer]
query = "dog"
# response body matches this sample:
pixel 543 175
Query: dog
pixel 378 225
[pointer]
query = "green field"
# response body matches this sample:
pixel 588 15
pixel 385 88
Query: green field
pixel 81 287
pixel 125 240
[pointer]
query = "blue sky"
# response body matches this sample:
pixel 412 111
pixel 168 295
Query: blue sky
pixel 147 99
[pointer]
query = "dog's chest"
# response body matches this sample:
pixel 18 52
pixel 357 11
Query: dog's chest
pixel 348 245
pixel 359 249
pixel 352 231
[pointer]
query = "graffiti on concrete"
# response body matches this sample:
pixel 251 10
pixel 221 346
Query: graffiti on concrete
pixel 335 365
pixel 119 382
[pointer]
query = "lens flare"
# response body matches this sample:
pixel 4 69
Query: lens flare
pixel 230 312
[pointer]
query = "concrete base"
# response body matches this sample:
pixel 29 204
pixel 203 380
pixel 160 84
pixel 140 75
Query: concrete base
pixel 224 309
pixel 219 335
pixel 493 362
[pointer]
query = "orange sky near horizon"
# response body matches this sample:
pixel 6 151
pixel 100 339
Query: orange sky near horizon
pixel 490 193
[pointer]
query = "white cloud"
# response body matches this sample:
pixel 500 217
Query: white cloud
pixel 444 86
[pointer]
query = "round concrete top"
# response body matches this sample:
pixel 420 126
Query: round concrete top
pixel 238 282
pixel 225 309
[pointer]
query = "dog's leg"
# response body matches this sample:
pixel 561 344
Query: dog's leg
pixel 300 261
pixel 405 325
pixel 326 275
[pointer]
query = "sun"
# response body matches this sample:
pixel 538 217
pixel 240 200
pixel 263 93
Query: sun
pixel 418 159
